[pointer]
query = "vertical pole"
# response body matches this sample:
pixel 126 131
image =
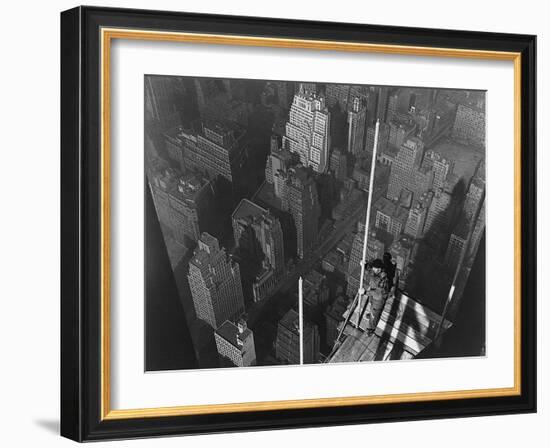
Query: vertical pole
pixel 367 221
pixel 301 319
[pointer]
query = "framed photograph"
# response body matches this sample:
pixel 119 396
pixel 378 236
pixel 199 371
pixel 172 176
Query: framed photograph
pixel 274 224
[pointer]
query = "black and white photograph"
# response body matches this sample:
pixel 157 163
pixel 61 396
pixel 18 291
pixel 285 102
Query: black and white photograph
pixel 306 222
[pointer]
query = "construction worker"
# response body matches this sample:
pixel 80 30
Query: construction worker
pixel 377 291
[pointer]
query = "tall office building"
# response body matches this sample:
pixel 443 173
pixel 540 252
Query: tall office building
pixel 206 89
pixel 159 100
pixel 476 192
pixel 405 166
pixel 287 341
pixel 438 212
pixel 174 143
pixel 469 124
pixel 259 233
pixel 390 216
pixel 418 213
pixel 393 101
pixel 401 251
pixel 215 283
pixel 356 252
pixel 338 164
pixel 457 244
pixel 400 131
pixel 477 231
pixel 338 94
pixel 315 289
pixel 474 197
pixel 307 130
pixel 182 202
pixel 383 138
pixel 441 167
pixel 277 165
pixel 217 150
pixel 382 103
pixel 300 198
pixel 235 344
pixel 357 121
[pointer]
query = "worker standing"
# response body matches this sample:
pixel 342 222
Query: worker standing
pixel 377 291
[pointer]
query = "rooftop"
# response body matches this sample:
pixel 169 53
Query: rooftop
pixel 290 321
pixel 247 208
pixel 390 208
pixel 230 332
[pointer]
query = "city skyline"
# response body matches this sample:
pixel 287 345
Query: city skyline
pixel 255 183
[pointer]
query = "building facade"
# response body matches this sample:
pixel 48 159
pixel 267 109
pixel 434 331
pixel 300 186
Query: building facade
pixel 235 344
pixel 287 342
pixel 300 198
pixel 181 201
pixel 357 122
pixel 215 283
pixel 405 166
pixel 259 233
pixel 469 125
pixel 307 130
pixel 217 150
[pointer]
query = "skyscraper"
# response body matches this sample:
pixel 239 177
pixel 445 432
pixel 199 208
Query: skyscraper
pixel 441 166
pixel 438 212
pixel 476 192
pixel 259 233
pixel 217 150
pixel 338 94
pixel 301 200
pixel 382 103
pixel 404 167
pixel 235 344
pixel 339 164
pixel 393 101
pixel 287 342
pixel 477 231
pixel 457 244
pixel 159 100
pixel 316 289
pixel 417 216
pixel 181 202
pixel 307 130
pixel 215 283
pixel 357 120
pixel 390 216
pixel 469 124
pixel 402 253
pixel 278 162
pixel 383 138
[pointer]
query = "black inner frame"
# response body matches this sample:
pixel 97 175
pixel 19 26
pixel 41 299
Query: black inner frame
pixel 80 223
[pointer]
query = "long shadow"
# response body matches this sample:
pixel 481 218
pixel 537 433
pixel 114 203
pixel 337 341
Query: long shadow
pixel 248 253
pixel 467 336
pixel 429 280
pixel 168 343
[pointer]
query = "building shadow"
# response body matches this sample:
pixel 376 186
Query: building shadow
pixel 429 279
pixel 168 343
